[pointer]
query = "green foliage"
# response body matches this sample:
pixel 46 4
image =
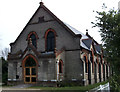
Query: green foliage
pixel 108 23
pixel 69 84
pixel 4 71
pixel 70 88
pixel 114 81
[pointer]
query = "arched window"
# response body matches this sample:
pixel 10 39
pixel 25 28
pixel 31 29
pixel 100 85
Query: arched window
pixel 30 62
pixel 33 39
pixel 60 66
pixel 86 64
pixel 50 41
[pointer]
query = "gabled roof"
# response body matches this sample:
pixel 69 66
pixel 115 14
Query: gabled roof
pixel 95 42
pixel 58 20
pixel 84 46
pixel 20 54
pixel 30 47
pixel 87 42
pixel 68 28
pixel 98 48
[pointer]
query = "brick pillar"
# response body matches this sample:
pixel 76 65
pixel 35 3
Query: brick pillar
pixel 102 71
pixel 84 83
pixel 11 72
pixel 96 73
pixel 57 71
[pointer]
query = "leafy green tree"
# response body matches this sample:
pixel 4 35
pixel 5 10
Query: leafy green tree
pixel 108 23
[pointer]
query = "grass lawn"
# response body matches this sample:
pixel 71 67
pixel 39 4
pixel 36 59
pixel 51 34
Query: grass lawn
pixel 82 88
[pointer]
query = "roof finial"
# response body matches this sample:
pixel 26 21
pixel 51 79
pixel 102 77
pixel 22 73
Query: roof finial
pixel 41 2
pixel 30 41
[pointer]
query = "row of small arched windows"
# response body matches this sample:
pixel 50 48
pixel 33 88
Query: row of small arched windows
pixel 49 39
pixel 93 67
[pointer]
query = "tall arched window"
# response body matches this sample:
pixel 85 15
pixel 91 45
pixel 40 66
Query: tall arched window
pixel 50 41
pixel 60 66
pixel 33 39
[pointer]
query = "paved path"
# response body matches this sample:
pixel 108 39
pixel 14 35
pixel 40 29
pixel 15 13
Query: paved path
pixel 22 86
pixel 19 87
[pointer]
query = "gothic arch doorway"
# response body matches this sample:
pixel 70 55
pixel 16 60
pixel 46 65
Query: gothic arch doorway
pixel 30 66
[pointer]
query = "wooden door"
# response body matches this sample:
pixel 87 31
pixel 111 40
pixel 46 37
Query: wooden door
pixel 30 70
pixel 30 75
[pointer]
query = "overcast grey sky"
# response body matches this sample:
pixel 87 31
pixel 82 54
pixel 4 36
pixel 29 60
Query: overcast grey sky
pixel 14 15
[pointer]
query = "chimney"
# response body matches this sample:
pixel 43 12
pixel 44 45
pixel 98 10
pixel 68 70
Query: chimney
pixel 86 31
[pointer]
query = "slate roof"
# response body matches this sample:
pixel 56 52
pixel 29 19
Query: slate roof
pixel 98 48
pixel 76 31
pixel 83 45
pixel 87 42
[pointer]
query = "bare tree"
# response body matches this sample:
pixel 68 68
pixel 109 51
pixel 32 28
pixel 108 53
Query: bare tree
pixel 4 53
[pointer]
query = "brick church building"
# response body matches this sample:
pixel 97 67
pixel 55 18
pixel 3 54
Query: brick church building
pixel 49 51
